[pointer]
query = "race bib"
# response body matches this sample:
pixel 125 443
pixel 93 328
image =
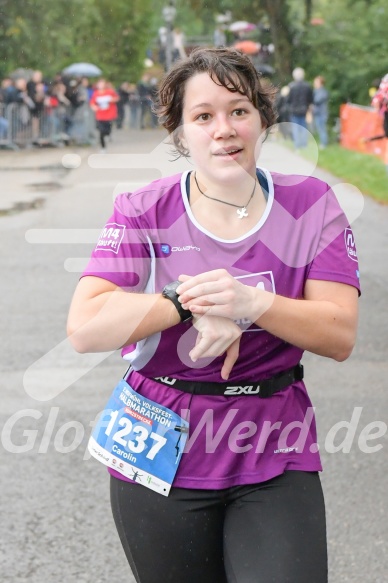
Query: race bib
pixel 140 439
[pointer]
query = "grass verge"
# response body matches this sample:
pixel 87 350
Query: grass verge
pixel 367 172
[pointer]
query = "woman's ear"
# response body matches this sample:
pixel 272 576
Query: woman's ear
pixel 182 139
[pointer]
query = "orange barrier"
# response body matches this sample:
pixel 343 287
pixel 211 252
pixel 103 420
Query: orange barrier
pixel 358 123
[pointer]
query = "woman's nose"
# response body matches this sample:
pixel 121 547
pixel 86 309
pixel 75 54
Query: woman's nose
pixel 223 127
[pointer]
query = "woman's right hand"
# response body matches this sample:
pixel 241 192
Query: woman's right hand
pixel 216 335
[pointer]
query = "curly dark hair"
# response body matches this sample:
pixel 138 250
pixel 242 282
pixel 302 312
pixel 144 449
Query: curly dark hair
pixel 227 67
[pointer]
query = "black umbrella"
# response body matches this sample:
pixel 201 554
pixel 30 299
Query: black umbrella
pixel 265 69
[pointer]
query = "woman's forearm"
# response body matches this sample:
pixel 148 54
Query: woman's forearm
pixel 323 322
pixel 319 326
pixel 114 319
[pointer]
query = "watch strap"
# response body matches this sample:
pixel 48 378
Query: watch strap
pixel 169 292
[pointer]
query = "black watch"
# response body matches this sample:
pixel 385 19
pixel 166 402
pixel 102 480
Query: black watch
pixel 169 291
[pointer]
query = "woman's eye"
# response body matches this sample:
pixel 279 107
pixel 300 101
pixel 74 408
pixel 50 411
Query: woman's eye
pixel 203 117
pixel 239 112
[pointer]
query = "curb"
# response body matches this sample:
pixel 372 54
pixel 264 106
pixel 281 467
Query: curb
pixel 34 168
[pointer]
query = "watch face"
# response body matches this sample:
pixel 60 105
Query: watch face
pixel 171 287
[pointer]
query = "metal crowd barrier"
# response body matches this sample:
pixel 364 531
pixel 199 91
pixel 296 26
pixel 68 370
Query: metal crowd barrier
pixel 4 127
pixel 22 127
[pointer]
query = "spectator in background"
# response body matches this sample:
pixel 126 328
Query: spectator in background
pixel 36 92
pixel 320 110
pixel 5 84
pixel 178 43
pixel 123 93
pixel 219 37
pixel 153 95
pixel 103 103
pixel 162 45
pixel 80 131
pixel 374 87
pixel 37 77
pixel 299 100
pixel 3 127
pixel 58 89
pixel 281 105
pixel 88 88
pixel 134 106
pixel 7 90
pixel 24 105
pixel 20 94
pixel 144 91
pixel 380 102
pixel 60 109
pixel 76 93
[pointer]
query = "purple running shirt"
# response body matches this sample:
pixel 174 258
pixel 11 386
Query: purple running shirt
pixel 153 237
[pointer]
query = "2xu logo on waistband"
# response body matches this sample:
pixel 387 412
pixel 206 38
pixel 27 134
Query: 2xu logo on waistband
pixel 237 390
pixel 247 390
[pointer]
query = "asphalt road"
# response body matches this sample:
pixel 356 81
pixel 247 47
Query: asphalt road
pixel 56 524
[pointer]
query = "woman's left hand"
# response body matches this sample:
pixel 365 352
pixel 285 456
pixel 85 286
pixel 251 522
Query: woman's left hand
pixel 217 293
pixel 216 336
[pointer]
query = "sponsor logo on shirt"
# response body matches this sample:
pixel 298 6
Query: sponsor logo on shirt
pixel 166 249
pixel 350 244
pixel 263 280
pixel 186 248
pixel 110 238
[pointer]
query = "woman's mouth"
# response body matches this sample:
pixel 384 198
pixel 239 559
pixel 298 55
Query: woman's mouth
pixel 228 152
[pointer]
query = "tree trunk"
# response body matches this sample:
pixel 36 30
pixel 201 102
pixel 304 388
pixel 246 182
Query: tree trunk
pixel 277 11
pixel 308 11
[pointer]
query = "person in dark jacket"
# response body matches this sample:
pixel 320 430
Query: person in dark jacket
pixel 300 99
pixel 123 93
pixel 320 110
pixel 281 105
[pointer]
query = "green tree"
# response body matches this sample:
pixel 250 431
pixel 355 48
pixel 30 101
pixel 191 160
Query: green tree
pixel 119 36
pixel 47 35
pixel 40 34
pixel 345 51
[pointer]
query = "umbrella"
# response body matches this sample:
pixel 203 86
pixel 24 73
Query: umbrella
pixel 22 74
pixel 242 26
pixel 248 47
pixel 265 69
pixel 82 70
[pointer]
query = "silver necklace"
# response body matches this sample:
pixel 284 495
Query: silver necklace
pixel 241 210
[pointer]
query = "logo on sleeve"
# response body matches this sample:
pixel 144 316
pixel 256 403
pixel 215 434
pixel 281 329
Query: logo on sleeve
pixel 350 244
pixel 111 237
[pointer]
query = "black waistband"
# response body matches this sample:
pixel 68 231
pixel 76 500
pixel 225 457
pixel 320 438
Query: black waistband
pixel 262 389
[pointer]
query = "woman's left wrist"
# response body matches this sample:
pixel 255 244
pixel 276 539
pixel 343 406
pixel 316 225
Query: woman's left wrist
pixel 261 301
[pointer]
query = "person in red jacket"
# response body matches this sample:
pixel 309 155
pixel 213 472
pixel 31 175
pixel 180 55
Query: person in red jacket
pixel 103 103
pixel 380 102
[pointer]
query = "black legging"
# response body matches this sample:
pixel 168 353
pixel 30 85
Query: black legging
pixel 104 128
pixel 273 532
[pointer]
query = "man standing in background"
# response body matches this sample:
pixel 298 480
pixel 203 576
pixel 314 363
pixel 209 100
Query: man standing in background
pixel 320 110
pixel 299 100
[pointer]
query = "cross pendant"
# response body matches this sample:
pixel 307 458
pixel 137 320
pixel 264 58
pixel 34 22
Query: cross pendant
pixel 242 213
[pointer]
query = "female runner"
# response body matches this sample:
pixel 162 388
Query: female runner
pixel 214 282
